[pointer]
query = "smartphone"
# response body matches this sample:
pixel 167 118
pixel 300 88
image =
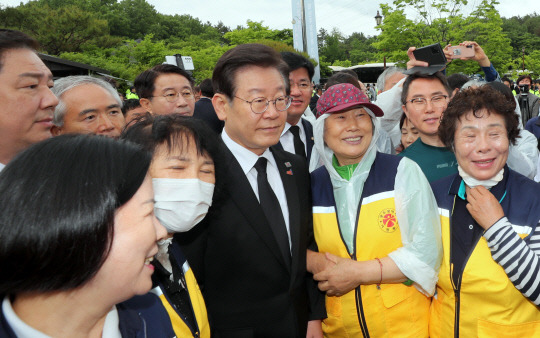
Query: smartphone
pixel 432 54
pixel 458 52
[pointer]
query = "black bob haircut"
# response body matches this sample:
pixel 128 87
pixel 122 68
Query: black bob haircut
pixel 57 204
pixel 296 61
pixel 145 82
pixel 175 132
pixel 242 56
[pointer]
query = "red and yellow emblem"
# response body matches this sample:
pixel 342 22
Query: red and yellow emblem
pixel 388 220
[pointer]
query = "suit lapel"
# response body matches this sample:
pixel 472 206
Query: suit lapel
pixel 286 172
pixel 242 194
pixel 308 129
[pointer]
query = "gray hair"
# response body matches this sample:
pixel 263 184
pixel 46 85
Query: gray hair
pixel 65 84
pixel 473 83
pixel 381 80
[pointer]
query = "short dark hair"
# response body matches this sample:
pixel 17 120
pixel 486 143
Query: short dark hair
pixel 145 81
pixel 350 72
pixel 296 61
pixel 57 204
pixel 206 88
pixel 150 131
pixel 407 83
pixel 456 81
pixel 505 79
pixel 130 104
pixel 12 39
pixel 475 100
pixel 241 56
pixel 342 77
pixel 523 77
pixel 507 92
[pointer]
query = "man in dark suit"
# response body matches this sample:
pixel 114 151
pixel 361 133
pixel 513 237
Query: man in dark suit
pixel 297 136
pixel 249 254
pixel 204 110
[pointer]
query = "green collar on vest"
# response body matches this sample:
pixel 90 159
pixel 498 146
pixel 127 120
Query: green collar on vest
pixel 345 171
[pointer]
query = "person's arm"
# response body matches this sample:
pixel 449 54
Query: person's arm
pixel 417 213
pixel 314 329
pixel 520 260
pixel 522 157
pixel 347 274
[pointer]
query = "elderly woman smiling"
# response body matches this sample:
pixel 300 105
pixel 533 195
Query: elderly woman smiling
pixel 375 223
pixel 489 282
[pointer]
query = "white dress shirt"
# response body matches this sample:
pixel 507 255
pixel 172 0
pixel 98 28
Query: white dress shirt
pixel 23 330
pixel 247 159
pixel 287 138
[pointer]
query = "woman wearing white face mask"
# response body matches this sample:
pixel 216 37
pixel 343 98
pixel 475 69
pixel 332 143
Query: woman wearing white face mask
pixel 489 281
pixel 183 176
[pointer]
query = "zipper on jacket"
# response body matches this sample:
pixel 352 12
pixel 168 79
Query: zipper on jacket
pixel 457 288
pixel 357 292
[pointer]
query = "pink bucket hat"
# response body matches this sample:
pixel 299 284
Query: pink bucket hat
pixel 344 96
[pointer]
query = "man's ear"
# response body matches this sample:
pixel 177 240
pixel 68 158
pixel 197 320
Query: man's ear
pixel 404 108
pixel 221 106
pixel 454 92
pixel 146 104
pixel 55 131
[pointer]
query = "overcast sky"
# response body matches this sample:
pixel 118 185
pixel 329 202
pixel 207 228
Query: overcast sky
pixel 347 15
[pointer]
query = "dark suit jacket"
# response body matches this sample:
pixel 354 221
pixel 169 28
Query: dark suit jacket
pixel 313 103
pixel 249 289
pixel 204 110
pixel 308 128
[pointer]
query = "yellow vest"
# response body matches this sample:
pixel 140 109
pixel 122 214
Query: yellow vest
pixel 199 308
pixel 394 310
pixel 489 304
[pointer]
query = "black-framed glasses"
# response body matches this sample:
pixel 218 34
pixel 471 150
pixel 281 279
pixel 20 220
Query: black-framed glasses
pixel 420 103
pixel 260 104
pixel 173 96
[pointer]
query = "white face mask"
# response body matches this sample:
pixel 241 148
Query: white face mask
pixel 473 182
pixel 181 203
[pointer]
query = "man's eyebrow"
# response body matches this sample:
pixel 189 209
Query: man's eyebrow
pixel 36 75
pixel 86 111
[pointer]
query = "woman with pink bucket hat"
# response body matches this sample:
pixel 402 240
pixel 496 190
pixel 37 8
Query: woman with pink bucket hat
pixel 375 222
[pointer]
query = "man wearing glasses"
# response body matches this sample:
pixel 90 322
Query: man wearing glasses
pixel 249 253
pixel 166 89
pixel 424 99
pixel 297 136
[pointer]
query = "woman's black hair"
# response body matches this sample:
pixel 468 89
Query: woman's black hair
pixel 176 131
pixel 57 205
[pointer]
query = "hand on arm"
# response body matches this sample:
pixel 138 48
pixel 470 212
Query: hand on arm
pixel 317 262
pixel 347 274
pixel 483 207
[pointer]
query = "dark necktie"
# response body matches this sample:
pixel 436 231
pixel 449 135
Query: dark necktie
pixel 272 210
pixel 298 144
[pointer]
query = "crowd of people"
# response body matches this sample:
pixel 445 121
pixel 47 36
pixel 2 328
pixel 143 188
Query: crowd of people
pixel 261 205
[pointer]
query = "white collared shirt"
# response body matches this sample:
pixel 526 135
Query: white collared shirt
pixel 2 166
pixel 287 138
pixel 247 160
pixel 23 330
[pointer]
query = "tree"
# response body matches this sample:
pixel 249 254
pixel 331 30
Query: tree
pixel 444 22
pixel 255 31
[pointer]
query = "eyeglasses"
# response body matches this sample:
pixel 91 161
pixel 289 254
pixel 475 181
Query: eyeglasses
pixel 420 103
pixel 260 104
pixel 173 96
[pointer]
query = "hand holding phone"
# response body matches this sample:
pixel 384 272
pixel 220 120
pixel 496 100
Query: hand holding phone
pixel 461 52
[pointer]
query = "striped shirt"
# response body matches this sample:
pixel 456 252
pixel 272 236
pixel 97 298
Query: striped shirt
pixel 519 258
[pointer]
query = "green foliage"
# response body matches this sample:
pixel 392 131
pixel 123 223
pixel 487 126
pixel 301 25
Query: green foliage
pixel 255 31
pixel 445 22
